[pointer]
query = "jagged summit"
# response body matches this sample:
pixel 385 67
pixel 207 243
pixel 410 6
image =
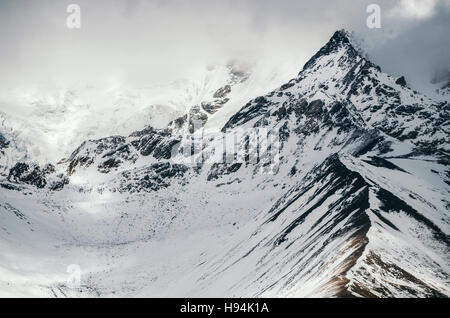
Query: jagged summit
pixel 340 39
pixel 342 35
pixel 339 72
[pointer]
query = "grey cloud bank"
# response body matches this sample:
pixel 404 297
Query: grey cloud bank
pixel 145 42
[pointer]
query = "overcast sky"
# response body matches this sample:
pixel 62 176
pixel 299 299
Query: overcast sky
pixel 153 41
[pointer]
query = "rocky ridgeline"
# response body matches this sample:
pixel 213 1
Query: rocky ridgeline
pixel 338 89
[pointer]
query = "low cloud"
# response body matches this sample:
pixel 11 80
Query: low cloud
pixel 145 42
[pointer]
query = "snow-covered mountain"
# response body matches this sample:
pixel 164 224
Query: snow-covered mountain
pixel 337 185
pixel 49 122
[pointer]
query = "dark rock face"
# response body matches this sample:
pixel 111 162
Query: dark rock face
pixel 401 81
pixel 59 183
pixel 213 107
pixel 32 174
pixel 152 178
pixel 342 179
pixel 178 123
pixel 9 186
pixel 28 174
pixel 220 169
pixel 288 85
pixel 3 142
pixel 158 143
pixel 110 153
pixel 222 92
pixel 310 116
pixel 109 164
pixel 197 119
pixel 253 109
pixel 107 148
pixel 147 141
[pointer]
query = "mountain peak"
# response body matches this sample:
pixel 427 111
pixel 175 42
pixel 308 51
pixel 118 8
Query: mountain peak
pixel 341 36
pixel 340 39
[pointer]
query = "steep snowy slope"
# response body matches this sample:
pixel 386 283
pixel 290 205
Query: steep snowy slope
pixel 335 184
